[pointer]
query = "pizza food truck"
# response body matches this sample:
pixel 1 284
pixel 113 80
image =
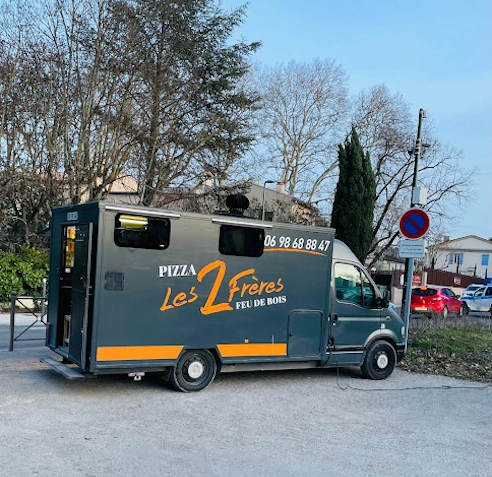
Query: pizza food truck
pixel 136 290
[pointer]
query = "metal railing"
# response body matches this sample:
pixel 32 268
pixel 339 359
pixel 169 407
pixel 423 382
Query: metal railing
pixel 38 315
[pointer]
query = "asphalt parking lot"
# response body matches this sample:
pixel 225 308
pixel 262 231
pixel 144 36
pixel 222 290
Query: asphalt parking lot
pixel 291 423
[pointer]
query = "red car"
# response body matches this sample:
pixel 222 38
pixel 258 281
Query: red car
pixel 440 300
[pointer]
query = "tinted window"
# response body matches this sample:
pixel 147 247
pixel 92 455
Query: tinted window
pixel 142 232
pixel 424 291
pixel 241 241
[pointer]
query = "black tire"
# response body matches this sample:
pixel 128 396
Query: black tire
pixel 194 371
pixel 464 309
pixel 380 360
pixel 445 312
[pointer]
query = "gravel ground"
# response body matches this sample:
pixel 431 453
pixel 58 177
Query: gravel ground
pixel 291 423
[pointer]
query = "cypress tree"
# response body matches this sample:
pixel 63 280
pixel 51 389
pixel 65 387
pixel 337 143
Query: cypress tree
pixel 353 207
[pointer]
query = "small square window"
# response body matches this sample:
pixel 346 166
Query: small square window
pixel 241 241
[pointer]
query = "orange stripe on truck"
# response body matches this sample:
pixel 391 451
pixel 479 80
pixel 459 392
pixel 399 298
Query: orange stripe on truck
pixel 137 353
pixel 252 349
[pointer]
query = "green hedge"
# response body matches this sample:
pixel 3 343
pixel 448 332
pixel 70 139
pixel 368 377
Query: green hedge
pixel 23 273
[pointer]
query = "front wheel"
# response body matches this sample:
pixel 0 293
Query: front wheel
pixel 380 360
pixel 445 312
pixel 194 371
pixel 464 309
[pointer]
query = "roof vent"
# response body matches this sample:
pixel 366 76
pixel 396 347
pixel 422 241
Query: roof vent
pixel 237 204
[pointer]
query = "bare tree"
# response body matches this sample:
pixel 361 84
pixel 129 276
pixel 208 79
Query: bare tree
pixel 387 132
pixel 303 113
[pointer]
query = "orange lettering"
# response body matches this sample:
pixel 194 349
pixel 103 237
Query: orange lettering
pixel 165 306
pixel 270 288
pixel 253 289
pixel 180 299
pixel 280 285
pixel 194 296
pixel 244 288
pixel 262 287
pixel 209 307
pixel 233 282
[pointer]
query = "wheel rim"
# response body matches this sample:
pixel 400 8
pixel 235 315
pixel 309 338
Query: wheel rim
pixel 194 369
pixel 444 312
pixel 381 361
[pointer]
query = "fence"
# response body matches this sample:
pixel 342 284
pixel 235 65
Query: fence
pixel 30 307
pixel 449 279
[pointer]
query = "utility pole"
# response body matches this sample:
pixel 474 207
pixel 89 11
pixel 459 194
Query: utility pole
pixel 263 199
pixel 407 287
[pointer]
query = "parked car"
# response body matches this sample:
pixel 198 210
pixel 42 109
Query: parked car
pixel 429 300
pixel 481 300
pixel 471 289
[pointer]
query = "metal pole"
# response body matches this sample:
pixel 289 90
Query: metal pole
pixel 13 298
pixel 407 298
pixel 263 199
pixel 409 261
pixel 43 301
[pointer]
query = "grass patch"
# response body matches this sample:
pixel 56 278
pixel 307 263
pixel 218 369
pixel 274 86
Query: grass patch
pixel 463 352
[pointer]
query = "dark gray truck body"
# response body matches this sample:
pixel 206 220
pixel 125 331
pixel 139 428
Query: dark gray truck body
pixel 123 302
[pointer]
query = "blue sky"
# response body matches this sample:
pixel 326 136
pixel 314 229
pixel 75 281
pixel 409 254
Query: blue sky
pixel 436 53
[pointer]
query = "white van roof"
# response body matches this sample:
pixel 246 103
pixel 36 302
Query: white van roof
pixel 343 252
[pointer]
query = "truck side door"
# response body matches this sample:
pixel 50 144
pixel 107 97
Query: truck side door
pixel 354 313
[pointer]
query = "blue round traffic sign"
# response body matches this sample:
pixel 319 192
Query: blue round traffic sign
pixel 414 223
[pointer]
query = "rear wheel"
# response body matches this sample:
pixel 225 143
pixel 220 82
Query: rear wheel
pixel 464 309
pixel 380 360
pixel 194 371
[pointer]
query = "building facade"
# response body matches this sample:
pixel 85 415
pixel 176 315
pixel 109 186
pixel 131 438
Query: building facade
pixel 470 255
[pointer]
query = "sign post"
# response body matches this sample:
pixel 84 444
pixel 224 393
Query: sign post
pixel 416 151
pixel 414 224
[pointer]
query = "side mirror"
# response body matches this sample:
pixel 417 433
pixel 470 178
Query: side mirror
pixel 385 300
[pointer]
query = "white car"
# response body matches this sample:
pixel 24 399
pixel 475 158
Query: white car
pixel 481 300
pixel 471 289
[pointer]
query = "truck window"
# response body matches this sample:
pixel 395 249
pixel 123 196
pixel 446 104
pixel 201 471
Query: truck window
pixel 241 241
pixel 142 232
pixel 352 285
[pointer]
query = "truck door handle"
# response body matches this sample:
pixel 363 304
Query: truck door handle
pixel 334 317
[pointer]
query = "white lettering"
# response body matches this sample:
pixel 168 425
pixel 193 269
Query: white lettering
pixel 276 300
pixel 168 271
